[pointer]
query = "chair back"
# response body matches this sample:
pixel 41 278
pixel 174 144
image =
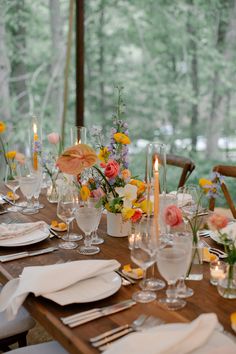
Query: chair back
pixel 185 163
pixel 227 171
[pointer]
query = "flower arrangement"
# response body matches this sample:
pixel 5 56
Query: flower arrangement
pixel 109 181
pixel 10 156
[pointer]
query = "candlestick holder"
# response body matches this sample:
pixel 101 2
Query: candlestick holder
pixel 78 135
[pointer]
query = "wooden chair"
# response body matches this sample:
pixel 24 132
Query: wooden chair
pixel 15 331
pixel 186 164
pixel 227 171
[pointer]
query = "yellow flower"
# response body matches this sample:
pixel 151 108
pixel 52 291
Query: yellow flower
pixel 139 184
pixel 104 154
pixel 2 127
pixel 206 184
pixel 127 213
pixel 11 155
pixel 121 138
pixel 84 193
pixel 144 206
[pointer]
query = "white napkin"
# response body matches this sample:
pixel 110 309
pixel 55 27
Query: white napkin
pixel 42 280
pixel 17 230
pixel 197 337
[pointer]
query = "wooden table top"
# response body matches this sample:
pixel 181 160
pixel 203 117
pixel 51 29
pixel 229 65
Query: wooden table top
pixel 47 313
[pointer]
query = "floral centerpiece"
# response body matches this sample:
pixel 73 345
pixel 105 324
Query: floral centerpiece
pixel 227 236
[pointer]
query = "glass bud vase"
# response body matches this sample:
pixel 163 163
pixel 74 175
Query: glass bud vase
pixel 52 191
pixel 196 267
pixel 227 287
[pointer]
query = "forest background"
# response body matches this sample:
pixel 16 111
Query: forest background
pixel 175 59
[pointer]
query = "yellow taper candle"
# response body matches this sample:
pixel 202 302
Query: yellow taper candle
pixel 35 154
pixel 156 195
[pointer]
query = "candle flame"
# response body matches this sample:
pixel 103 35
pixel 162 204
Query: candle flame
pixel 155 166
pixel 35 128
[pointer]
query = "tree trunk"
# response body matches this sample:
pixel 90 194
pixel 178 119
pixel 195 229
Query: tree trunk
pixel 192 46
pixel 217 111
pixel 57 59
pixel 4 71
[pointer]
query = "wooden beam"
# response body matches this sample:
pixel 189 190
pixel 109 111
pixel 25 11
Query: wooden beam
pixel 79 30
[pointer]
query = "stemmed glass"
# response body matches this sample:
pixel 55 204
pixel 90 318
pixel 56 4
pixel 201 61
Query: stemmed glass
pixel 28 185
pixel 96 240
pixel 67 204
pixel 143 253
pixel 171 262
pixel 88 218
pixel 13 183
pixel 38 205
pixel 185 240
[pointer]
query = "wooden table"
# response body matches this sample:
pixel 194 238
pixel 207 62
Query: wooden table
pixel 47 313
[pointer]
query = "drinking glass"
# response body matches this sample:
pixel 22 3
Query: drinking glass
pixel 28 185
pixel 12 182
pixel 88 218
pixel 171 262
pixel 185 240
pixel 96 240
pixel 67 204
pixel 78 135
pixel 143 253
pixel 37 192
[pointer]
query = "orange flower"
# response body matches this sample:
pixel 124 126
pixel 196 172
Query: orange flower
pixel 2 127
pixel 76 158
pixel 126 174
pixel 84 193
pixel 121 138
pixel 217 221
pixel 139 184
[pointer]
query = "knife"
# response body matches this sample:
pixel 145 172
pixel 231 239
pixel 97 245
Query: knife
pixel 87 316
pixel 13 256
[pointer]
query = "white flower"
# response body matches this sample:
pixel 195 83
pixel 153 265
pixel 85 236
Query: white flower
pixel 129 193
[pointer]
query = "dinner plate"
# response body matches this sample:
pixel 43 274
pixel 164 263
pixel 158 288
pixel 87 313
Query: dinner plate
pixel 58 229
pixel 88 290
pixel 25 240
pixel 213 235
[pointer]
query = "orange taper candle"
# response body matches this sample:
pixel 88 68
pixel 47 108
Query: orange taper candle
pixel 156 195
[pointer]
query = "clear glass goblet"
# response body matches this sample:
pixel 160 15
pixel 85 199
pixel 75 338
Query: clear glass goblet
pixel 171 262
pixel 67 204
pixel 88 218
pixel 143 253
pixel 96 239
pixel 12 182
pixel 185 240
pixel 28 186
pixel 37 204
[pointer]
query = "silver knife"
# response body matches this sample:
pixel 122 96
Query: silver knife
pixel 81 318
pixel 13 256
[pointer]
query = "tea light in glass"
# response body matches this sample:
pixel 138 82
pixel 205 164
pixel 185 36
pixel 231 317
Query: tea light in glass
pixel 217 271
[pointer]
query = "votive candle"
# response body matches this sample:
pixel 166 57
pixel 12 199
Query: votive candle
pixel 217 271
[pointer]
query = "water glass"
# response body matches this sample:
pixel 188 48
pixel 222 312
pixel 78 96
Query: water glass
pixel 28 186
pixel 12 182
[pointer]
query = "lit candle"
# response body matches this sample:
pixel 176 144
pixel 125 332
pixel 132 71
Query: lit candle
pixel 35 154
pixel 217 271
pixel 156 195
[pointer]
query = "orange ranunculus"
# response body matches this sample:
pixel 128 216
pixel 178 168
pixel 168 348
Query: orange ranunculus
pixel 2 127
pixel 76 158
pixel 121 138
pixel 10 155
pixel 126 174
pixel 217 221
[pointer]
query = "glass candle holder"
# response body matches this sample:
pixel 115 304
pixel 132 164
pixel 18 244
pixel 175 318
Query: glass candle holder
pixel 218 270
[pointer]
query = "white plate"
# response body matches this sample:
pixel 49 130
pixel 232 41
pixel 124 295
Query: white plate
pixel 89 290
pixel 215 237
pixel 28 239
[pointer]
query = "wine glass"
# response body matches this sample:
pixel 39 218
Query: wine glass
pixel 67 204
pixel 37 192
pixel 88 218
pixel 12 182
pixel 28 185
pixel 143 253
pixel 96 240
pixel 171 262
pixel 185 240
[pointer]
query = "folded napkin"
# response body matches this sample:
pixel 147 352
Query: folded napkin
pixel 16 230
pixel 42 280
pixel 197 337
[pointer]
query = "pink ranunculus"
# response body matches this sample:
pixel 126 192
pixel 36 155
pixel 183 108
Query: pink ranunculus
pixel 97 193
pixel 173 216
pixel 137 215
pixel 112 169
pixel 217 221
pixel 53 138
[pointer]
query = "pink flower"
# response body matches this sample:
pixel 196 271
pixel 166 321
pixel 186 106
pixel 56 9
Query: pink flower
pixel 126 174
pixel 97 193
pixel 53 138
pixel 137 215
pixel 112 169
pixel 20 158
pixel 173 216
pixel 218 221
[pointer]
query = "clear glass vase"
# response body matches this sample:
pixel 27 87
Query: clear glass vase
pixel 52 191
pixel 227 287
pixel 196 267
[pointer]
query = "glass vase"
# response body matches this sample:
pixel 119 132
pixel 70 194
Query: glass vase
pixel 227 287
pixel 196 267
pixel 52 191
